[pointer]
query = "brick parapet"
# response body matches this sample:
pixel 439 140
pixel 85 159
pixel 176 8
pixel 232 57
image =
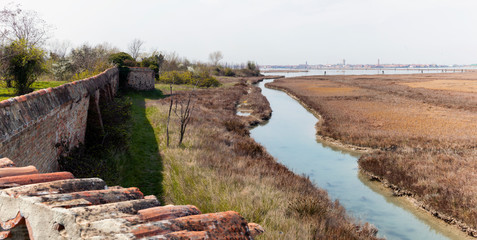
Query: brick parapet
pixel 32 124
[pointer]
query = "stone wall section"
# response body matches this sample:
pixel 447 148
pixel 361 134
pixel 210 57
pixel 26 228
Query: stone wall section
pixel 34 126
pixel 141 79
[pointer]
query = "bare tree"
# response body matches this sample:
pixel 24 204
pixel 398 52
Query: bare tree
pixel 16 24
pixel 59 48
pixel 91 58
pixel 135 48
pixel 171 63
pixel 215 57
pixel 184 113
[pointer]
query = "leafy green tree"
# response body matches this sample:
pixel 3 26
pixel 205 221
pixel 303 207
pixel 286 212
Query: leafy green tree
pixel 153 62
pixel 122 59
pixel 19 25
pixel 26 63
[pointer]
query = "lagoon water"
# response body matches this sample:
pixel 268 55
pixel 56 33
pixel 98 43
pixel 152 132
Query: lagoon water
pixel 322 72
pixel 290 137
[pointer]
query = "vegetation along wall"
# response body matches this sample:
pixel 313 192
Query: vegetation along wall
pixel 35 128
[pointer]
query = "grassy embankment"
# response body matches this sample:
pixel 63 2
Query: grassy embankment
pixel 220 168
pixel 423 127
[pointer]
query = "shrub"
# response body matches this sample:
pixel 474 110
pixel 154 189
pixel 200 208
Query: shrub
pixel 122 59
pixel 153 62
pixel 25 64
pixel 202 79
pixel 248 147
pixel 229 72
pixel 236 126
pixel 84 74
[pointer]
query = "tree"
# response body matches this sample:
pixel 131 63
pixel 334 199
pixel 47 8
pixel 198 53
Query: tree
pixel 184 112
pixel 59 49
pixel 153 62
pixel 26 63
pixel 121 59
pixel 17 24
pixel 215 57
pixel 135 48
pixel 171 62
pixel 91 59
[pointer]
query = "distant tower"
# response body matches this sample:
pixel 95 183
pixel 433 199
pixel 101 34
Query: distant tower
pixel 306 65
pixel 378 61
pixel 344 62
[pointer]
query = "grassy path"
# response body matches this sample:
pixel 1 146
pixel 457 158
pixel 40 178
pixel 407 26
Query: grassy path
pixel 142 167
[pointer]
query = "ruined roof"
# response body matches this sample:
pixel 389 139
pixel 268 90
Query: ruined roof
pixel 59 206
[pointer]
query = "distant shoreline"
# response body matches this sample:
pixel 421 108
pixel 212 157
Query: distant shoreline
pixel 283 71
pixel 367 69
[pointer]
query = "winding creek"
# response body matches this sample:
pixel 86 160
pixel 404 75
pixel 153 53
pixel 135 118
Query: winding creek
pixel 290 137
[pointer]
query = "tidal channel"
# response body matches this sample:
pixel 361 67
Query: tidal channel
pixel 290 136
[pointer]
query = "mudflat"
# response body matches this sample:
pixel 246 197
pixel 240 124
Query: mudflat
pixel 423 128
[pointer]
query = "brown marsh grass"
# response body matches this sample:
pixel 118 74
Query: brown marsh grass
pixel 221 168
pixel 452 85
pixel 423 126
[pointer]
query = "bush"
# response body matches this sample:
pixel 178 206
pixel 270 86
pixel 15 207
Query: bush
pixel 229 72
pixel 84 74
pixel 122 59
pixel 25 64
pixel 248 147
pixel 153 62
pixel 202 79
pixel 236 126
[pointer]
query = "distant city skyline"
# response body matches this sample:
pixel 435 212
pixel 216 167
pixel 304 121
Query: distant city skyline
pixel 275 31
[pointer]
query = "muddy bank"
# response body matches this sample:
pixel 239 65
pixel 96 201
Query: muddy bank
pixel 398 192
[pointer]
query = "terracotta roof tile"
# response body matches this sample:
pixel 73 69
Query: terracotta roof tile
pixel 16 171
pixel 14 181
pixel 87 208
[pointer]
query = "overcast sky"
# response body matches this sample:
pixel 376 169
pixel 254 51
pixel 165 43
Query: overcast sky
pixel 275 31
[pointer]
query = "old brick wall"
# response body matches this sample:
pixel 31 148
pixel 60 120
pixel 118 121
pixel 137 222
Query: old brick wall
pixel 32 125
pixel 141 79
